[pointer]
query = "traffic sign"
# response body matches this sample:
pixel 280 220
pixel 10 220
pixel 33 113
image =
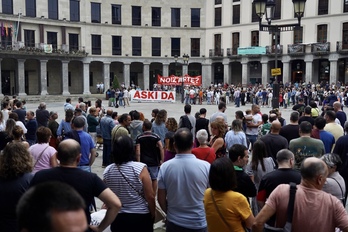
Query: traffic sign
pixel 276 71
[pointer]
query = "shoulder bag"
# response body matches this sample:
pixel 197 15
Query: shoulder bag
pixel 220 214
pixel 343 200
pixel 40 155
pixel 130 184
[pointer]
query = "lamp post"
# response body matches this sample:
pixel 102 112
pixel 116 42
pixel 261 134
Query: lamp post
pixel 267 8
pixel 186 58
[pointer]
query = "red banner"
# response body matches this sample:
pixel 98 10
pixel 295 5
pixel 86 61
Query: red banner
pixel 175 80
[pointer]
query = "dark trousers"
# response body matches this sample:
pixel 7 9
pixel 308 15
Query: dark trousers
pixel 106 151
pixel 126 222
pixel 171 227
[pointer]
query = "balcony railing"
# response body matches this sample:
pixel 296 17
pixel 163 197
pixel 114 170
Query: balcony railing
pixel 320 48
pixel 232 52
pixel 271 50
pixel 342 47
pixel 216 52
pixel 41 49
pixel 296 49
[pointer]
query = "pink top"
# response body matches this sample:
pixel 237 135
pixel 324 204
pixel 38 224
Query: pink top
pixel 44 161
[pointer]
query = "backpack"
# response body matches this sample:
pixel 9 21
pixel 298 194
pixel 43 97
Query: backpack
pixel 185 122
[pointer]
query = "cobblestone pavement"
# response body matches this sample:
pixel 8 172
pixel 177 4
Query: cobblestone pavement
pixel 174 110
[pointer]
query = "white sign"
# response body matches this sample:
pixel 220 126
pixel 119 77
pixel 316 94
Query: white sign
pixel 152 96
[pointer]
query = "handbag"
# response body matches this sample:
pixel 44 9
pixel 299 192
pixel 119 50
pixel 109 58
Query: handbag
pixel 290 212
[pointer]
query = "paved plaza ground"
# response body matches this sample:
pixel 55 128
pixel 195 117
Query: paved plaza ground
pixel 174 110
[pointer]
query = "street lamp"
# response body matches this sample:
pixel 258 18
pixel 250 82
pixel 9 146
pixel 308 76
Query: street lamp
pixel 267 7
pixel 186 58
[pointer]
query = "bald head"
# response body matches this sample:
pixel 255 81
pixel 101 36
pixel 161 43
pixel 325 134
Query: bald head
pixel 69 151
pixel 312 168
pixel 337 105
pixel 275 127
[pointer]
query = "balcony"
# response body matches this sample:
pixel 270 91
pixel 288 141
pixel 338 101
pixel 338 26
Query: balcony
pixel 296 49
pixel 319 49
pixel 271 50
pixel 232 52
pixel 342 47
pixel 216 53
pixel 41 49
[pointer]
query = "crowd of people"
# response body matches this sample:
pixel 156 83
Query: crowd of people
pixel 197 166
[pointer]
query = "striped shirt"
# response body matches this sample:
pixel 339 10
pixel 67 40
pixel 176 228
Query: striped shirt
pixel 128 187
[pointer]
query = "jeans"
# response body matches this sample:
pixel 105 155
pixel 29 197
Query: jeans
pixel 237 101
pixel 252 139
pixel 106 152
pixel 86 168
pixel 171 227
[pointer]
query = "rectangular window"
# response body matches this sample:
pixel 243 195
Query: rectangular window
pixel 117 45
pixel 217 2
pixel 235 43
pixel 74 42
pixel 53 9
pixel 116 14
pixel 95 12
pixel 52 39
pixel 278 10
pixel 323 7
pixel 345 36
pixel 90 79
pixel 7 6
pixel 195 47
pixel 136 46
pixel 195 17
pixel 345 6
pixel 6 38
pixel 30 8
pixel 217 45
pixel 175 17
pixel 136 15
pixel 175 51
pixel 236 14
pixel 255 38
pixel 29 38
pixel 322 34
pixel 217 16
pixel 96 44
pixel 74 10
pixel 298 36
pixel 156 46
pixel 156 16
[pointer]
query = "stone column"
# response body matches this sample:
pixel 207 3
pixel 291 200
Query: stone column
pixel 1 94
pixel 21 78
pixel 245 71
pixel 43 77
pixel 65 77
pixel 126 74
pixel 165 70
pixel 106 73
pixel 333 68
pixel 286 71
pixel 309 69
pixel 206 75
pixel 227 71
pixel 265 78
pixel 146 74
pixel 86 89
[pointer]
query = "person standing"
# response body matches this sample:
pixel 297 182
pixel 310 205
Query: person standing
pixel 252 127
pixel 331 126
pixel 291 131
pixel 31 126
pixel 188 120
pixel 202 123
pixel 42 115
pixel 183 206
pixel 106 126
pixel 340 114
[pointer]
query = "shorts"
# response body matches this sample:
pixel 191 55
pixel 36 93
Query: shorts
pixel 153 172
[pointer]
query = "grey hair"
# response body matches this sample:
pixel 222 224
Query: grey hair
pixel 331 160
pixel 202 136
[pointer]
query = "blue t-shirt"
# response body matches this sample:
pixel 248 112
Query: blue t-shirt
pixel 86 144
pixel 328 140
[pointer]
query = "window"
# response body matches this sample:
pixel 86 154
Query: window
pixel 298 36
pixel 322 34
pixel 136 46
pixel 195 47
pixel 195 17
pixel 75 10
pixel 175 17
pixel 52 39
pixel 95 12
pixel 7 6
pixel 90 79
pixel 30 8
pixel 323 7
pixel 156 16
pixel 345 36
pixel 345 6
pixel 96 44
pixel 116 14
pixel 255 38
pixel 136 15
pixel 29 38
pixel 53 9
pixel 217 2
pixel 218 16
pixel 116 45
pixel 278 10
pixel 274 39
pixel 235 43
pixel 217 45
pixel 175 47
pixel 236 14
pixel 156 46
pixel 73 42
pixel 6 38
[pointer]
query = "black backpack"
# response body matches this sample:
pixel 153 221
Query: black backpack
pixel 185 122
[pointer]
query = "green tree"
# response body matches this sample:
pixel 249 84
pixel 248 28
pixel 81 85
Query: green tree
pixel 115 83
